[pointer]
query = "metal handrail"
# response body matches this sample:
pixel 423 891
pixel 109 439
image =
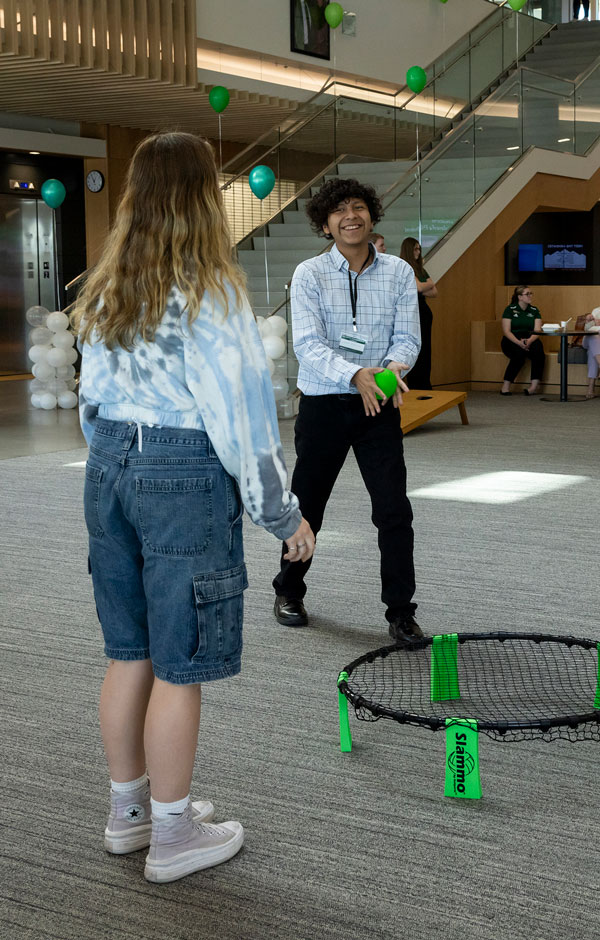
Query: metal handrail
pixel 292 199
pixel 276 146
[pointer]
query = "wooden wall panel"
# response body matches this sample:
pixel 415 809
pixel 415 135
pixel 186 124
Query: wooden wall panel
pixel 96 213
pixel 128 33
pixel 11 35
pixel 57 37
pixel 154 38
pixel 86 22
pixel 125 37
pixel 166 40
pixel 73 45
pixel 27 38
pixel 114 26
pixel 179 44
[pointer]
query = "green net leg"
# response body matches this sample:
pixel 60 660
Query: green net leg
pixel 597 698
pixel 462 759
pixel 345 734
pixel 444 667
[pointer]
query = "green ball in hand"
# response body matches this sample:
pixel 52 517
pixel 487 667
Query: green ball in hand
pixel 387 382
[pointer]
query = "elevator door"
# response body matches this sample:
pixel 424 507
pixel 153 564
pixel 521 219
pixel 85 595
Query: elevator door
pixel 27 274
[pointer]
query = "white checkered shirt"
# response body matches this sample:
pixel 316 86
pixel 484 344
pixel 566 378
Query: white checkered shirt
pixel 387 314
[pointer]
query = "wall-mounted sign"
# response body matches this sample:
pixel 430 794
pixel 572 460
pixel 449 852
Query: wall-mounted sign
pixel 22 184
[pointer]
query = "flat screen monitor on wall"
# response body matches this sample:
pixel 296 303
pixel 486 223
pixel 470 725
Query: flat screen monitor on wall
pixel 531 258
pixel 555 248
pixel 568 257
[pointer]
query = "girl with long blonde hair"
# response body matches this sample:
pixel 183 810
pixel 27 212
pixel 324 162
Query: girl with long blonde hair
pixel 176 404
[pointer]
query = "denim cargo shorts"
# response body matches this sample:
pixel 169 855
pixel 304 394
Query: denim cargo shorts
pixel 165 550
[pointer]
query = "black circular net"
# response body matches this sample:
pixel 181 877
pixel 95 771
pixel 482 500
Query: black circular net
pixel 517 686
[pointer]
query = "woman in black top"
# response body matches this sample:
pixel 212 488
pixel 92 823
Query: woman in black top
pixel 520 321
pixel 420 374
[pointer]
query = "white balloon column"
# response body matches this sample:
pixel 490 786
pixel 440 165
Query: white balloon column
pixel 53 356
pixel 273 334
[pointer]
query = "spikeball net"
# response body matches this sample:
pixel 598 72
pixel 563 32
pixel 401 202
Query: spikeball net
pixel 508 686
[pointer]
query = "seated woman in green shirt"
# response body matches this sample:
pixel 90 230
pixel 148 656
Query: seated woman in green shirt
pixel 520 321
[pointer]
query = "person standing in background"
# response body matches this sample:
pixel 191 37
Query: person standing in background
pixel 577 7
pixel 591 343
pixel 379 242
pixel 420 375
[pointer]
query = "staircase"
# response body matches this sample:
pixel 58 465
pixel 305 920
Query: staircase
pixel 434 195
pixel 567 51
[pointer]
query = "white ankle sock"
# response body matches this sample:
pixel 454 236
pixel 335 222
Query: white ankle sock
pixel 162 810
pixel 130 785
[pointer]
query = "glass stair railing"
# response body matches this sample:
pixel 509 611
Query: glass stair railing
pixel 358 124
pixel 531 109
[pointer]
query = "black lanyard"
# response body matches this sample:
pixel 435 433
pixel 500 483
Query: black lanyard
pixel 354 288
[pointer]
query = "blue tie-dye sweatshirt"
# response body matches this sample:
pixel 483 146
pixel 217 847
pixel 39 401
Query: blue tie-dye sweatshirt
pixel 209 374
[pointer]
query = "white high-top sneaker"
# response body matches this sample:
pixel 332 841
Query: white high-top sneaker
pixel 129 825
pixel 180 845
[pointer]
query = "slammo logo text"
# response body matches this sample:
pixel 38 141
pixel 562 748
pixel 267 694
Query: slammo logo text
pixel 460 761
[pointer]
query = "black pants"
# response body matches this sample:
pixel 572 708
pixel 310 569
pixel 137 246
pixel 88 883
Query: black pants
pixel 517 356
pixel 420 374
pixel 326 428
pixel 577 5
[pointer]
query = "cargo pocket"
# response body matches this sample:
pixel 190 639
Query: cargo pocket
pixel 219 598
pixel 91 500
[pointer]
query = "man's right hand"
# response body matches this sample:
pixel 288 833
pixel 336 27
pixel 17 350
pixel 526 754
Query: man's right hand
pixel 366 385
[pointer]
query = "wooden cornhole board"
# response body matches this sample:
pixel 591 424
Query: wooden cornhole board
pixel 422 406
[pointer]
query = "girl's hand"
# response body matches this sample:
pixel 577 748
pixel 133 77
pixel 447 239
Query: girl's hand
pixel 301 544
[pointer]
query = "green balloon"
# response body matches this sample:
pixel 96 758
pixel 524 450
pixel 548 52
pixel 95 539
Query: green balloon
pixel 334 14
pixel 516 5
pixel 218 98
pixel 387 382
pixel 53 193
pixel 262 181
pixel 416 78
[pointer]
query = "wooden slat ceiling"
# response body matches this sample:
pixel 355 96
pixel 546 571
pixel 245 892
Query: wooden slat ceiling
pixel 132 63
pixel 51 89
pixel 55 90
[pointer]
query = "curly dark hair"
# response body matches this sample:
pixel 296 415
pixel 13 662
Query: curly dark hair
pixel 335 191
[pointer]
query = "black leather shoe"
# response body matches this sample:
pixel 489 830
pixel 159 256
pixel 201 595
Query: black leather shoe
pixel 289 611
pixel 404 629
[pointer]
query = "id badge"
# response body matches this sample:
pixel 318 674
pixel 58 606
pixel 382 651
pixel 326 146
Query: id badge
pixel 353 342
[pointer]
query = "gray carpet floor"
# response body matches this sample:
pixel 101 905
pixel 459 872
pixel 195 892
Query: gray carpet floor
pixel 364 844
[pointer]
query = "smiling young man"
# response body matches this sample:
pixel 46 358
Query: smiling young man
pixel 354 312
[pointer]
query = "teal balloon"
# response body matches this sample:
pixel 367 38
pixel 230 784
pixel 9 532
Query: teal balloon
pixel 416 78
pixel 218 98
pixel 53 193
pixel 516 5
pixel 262 181
pixel 334 14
